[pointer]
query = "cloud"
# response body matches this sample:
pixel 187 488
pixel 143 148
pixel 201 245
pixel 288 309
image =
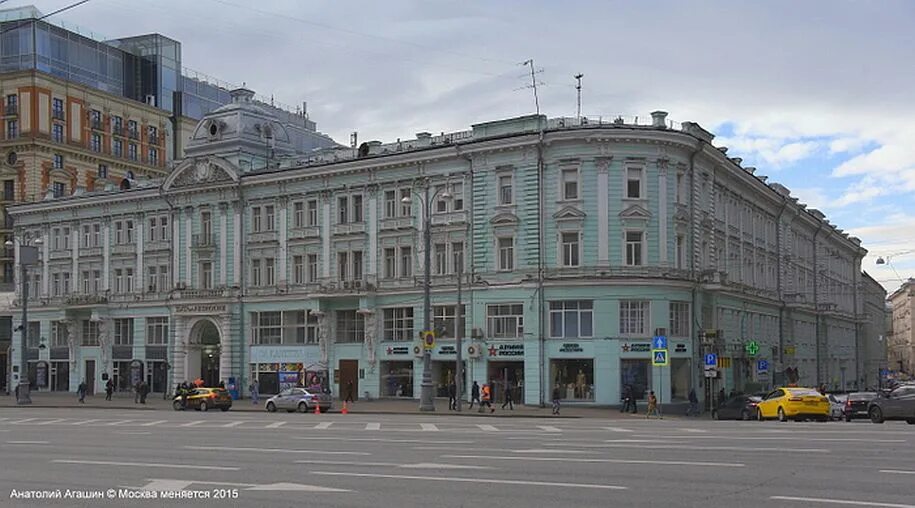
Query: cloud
pixel 847 145
pixel 771 151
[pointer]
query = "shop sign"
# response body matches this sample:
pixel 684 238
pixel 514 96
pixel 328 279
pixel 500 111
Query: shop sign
pixel 571 347
pixel 200 308
pixel 505 350
pixel 397 350
pixel 447 350
pixel 285 354
pixel 680 348
pixel 638 347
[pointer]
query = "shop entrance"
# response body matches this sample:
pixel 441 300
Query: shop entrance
pixel 89 376
pixel 60 376
pixel 443 374
pixel 349 373
pixel 203 353
pixel 397 379
pixel 158 376
pixel 506 374
pixel 635 373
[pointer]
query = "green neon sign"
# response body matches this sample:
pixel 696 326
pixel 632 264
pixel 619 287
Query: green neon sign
pixel 752 348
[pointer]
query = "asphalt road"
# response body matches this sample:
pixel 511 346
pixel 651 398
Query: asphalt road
pixel 405 461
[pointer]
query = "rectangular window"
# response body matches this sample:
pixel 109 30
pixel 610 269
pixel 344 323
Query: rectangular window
pixel 443 320
pixel 123 332
pixel 313 212
pixel 90 333
pixel 298 269
pixel 132 151
pixel 57 133
pixel 681 190
pixel 571 319
pixel 457 199
pixel 157 331
pixel 681 252
pixel 12 129
pixel 357 208
pixel 57 108
pixel 570 249
pixel 269 216
pixel 152 135
pixel 390 263
pixel 55 284
pixel 441 205
pixel 58 161
pixel 406 262
pixel 164 281
pixel 298 214
pixel 294 327
pixel 343 209
pixel 163 228
pixel 506 248
pixel 256 272
pixel 117 148
pixel 440 258
pixel 95 119
pixel 206 275
pixel 634 248
pixel 206 228
pixel 312 268
pixel 312 328
pixel 117 125
pixel 350 326
pixel 12 104
pixel 343 265
pixel 398 324
pixel 87 282
pixel 633 317
pixel 569 184
pixel 679 319
pixel 59 334
pixel 357 264
pixel 406 208
pixel 118 280
pixel 256 224
pixel 152 280
pixel 457 257
pixel 270 271
pixel 505 321
pixel 152 156
pixel 96 281
pixel 634 183
pixel 95 142
pixel 118 232
pixel 132 129
pixel 390 204
pixel 66 283
pixel 267 327
pixel 506 195
pixel 102 171
pixel 128 280
pixel 129 231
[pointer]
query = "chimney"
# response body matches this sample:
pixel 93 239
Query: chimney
pixel 659 119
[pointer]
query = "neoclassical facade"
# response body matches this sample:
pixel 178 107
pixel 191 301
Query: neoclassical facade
pixel 575 242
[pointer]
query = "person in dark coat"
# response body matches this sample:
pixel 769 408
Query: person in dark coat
pixel 144 391
pixel 136 392
pixel 349 392
pixel 109 389
pixel 452 396
pixel 557 393
pixel 81 391
pixel 627 399
pixel 474 395
pixel 508 398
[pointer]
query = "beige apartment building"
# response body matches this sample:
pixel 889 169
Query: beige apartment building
pixel 901 347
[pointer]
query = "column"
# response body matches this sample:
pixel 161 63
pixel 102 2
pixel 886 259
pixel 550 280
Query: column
pixel 236 244
pixel 106 254
pixel 139 277
pixel 189 221
pixel 325 238
pixel 74 259
pixel 663 242
pixel 282 254
pixel 371 227
pixel 176 246
pixel 223 241
pixel 45 266
pixel 226 350
pixel 603 211
pixel 420 206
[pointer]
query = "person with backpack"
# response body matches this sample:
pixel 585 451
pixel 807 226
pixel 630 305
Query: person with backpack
pixel 475 395
pixel 487 398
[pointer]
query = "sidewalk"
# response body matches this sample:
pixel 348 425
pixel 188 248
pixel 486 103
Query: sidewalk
pixel 379 407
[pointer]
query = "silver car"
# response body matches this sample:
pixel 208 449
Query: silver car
pixel 298 399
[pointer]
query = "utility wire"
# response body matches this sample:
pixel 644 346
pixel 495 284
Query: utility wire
pixel 48 15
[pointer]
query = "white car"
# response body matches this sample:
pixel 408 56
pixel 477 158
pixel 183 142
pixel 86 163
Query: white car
pixel 837 405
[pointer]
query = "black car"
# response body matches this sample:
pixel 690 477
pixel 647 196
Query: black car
pixel 741 407
pixel 856 405
pixel 897 404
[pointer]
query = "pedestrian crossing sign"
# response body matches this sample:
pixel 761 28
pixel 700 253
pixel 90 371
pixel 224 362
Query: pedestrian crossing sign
pixel 659 358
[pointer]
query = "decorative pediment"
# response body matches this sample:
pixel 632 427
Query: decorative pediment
pixel 504 219
pixel 635 212
pixel 202 171
pixel 569 213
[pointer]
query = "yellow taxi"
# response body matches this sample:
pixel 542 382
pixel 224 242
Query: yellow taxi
pixel 793 403
pixel 203 399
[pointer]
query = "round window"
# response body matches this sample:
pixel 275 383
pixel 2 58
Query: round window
pixel 11 158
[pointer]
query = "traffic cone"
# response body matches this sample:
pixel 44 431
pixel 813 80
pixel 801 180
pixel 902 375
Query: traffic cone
pixel 344 410
pixel 317 409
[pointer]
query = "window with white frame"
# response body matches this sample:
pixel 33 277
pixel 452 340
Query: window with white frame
pixel 398 324
pixel 441 204
pixel 59 334
pixel 633 317
pixel 118 232
pixel 440 258
pixel 206 275
pixel 679 319
pixel 152 229
pixel 569 183
pixel 634 183
pixel 457 197
pixel 298 269
pixel 357 207
pixel 298 214
pixel 90 333
pixel 571 249
pixel 65 286
pixel 571 319
pixel 444 321
pixel 96 281
pixel 164 234
pixel 634 248
pixel 406 208
pixel 312 268
pixel 87 282
pixel 390 204
pixel 681 188
pixel 343 209
pixel 256 221
pixel 128 280
pixel 269 271
pixel 506 248
pixel 390 263
pixel 406 262
pixel 118 280
pixel 294 327
pixel 123 332
pixel 206 227
pixel 256 272
pixel 312 212
pixel 343 265
pixel 505 321
pixel 681 252
pixel 157 331
pixel 357 264
pixel 65 238
pixel 87 236
pixel 270 218
pixel 267 327
pixel 128 231
pixel 457 257
pixel 505 189
pixel 350 326
pixel 312 328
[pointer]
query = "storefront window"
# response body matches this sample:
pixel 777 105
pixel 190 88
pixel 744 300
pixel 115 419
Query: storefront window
pixel 679 378
pixel 574 377
pixel 635 374
pixel 397 379
pixel 504 375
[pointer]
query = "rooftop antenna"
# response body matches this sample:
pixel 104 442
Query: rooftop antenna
pixel 530 63
pixel 578 87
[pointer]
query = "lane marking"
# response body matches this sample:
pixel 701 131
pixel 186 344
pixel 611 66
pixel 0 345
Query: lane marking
pixel 429 427
pixel 144 464
pixel 694 447
pixel 719 437
pixel 840 501
pixel 380 440
pixel 27 442
pixel 168 485
pixel 549 428
pixel 191 424
pixel 473 480
pixel 896 471
pixel 117 422
pixel 323 425
pixel 49 422
pixel 20 422
pixel 133 432
pixel 601 461
pixel 275 425
pixel 233 424
pixel 700 431
pixel 421 465
pixel 150 424
pixel 270 450
pixel 83 422
pixel 372 426
pixel 619 429
pixel 487 428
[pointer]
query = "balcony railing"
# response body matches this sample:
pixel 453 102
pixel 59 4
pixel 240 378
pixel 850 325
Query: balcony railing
pixel 95 124
pixel 117 130
pixel 203 241
pixel 153 139
pixel 57 114
pixel 132 134
pixel 11 109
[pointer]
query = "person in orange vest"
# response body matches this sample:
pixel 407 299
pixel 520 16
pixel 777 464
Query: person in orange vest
pixel 487 398
pixel 198 382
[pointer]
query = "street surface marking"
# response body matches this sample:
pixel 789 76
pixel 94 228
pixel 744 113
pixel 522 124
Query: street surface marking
pixel 618 429
pixel 694 447
pixel 380 440
pixel 144 464
pixel 323 425
pixel 27 442
pixel 270 450
pixel 684 429
pixel 555 451
pixel 473 480
pixel 49 422
pixel 233 424
pixel 840 501
pixel 191 424
pixel 150 424
pixel 720 437
pixel 169 485
pixel 165 485
pixel 83 422
pixel 133 432
pixel 429 427
pixel 20 422
pixel 487 428
pixel 372 426
pixel 295 486
pixel 422 465
pixel 118 422
pixel 600 461
pixel 549 428
pixel 275 425
pixel 896 471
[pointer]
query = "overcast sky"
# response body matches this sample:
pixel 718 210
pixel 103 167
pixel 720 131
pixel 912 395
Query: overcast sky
pixel 819 95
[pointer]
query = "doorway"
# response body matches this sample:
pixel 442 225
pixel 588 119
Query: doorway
pixel 508 375
pixel 349 373
pixel 90 376
pixel 203 354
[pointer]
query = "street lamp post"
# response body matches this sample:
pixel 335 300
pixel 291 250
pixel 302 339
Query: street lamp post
pixel 426 397
pixel 28 255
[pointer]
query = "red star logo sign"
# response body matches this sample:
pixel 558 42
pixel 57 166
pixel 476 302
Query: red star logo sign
pixel 390 350
pixel 492 350
pixel 625 348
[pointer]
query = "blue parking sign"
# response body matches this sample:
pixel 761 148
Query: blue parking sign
pixel 711 360
pixel 762 366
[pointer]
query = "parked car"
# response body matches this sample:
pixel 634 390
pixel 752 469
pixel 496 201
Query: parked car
pixel 792 402
pixel 298 399
pixel 857 404
pixel 837 405
pixel 204 399
pixel 741 407
pixel 897 404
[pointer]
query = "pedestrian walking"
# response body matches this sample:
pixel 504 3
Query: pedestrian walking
pixel 721 397
pixel 652 405
pixel 452 397
pixel 508 398
pixel 556 396
pixel 109 389
pixel 81 391
pixel 475 395
pixel 627 399
pixel 486 393
pixel 185 389
pixel 136 393
pixel 144 391
pixel 693 409
pixel 349 392
pixel 254 389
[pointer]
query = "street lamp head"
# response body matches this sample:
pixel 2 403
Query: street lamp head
pixel 881 261
pixel 406 200
pixel 447 196
pixel 38 241
pixel 8 243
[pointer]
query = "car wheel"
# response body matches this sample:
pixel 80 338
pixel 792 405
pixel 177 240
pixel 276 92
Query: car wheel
pixel 847 419
pixel 177 405
pixel 203 406
pixel 303 407
pixel 876 415
pixel 910 421
pixel 745 415
pixel 223 409
pixel 759 415
pixel 781 415
pixel 271 407
pixel 715 415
